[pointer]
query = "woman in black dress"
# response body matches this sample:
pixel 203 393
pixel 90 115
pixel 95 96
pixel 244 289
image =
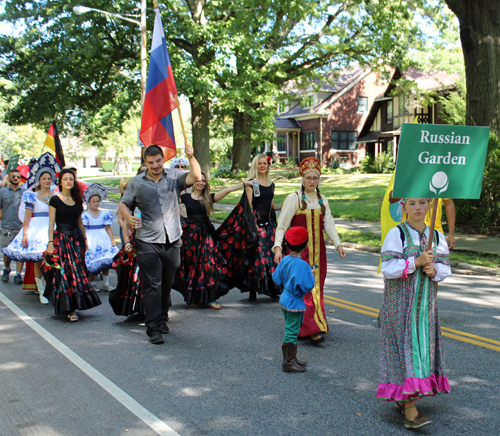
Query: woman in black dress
pixel 67 285
pixel 259 277
pixel 201 266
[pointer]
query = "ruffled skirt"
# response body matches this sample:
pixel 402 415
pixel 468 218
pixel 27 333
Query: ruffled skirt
pixel 126 298
pixel 38 238
pixel 67 285
pixel 100 255
pixel 201 265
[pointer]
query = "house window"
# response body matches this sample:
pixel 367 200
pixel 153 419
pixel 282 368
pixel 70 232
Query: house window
pixel 307 101
pixel 281 142
pixel 343 140
pixel 389 112
pixel 403 105
pixel 282 107
pixel 362 105
pixel 308 141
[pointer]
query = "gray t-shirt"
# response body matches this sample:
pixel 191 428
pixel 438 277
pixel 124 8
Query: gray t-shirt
pixel 10 201
pixel 159 205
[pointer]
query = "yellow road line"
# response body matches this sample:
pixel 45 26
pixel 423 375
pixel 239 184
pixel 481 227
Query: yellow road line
pixel 352 304
pixel 471 341
pixel 471 335
pixel 459 336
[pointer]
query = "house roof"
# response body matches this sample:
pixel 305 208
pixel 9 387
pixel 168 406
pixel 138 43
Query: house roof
pixel 431 80
pixel 337 85
pixel 287 123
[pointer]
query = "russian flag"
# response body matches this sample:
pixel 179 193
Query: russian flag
pixel 160 99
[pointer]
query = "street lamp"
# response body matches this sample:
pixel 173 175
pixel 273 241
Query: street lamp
pixel 142 27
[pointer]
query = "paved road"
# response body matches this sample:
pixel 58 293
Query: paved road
pixel 219 371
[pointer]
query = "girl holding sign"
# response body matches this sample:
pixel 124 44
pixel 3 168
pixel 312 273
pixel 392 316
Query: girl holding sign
pixel 412 362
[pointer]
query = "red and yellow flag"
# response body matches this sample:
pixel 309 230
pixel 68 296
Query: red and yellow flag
pixel 54 144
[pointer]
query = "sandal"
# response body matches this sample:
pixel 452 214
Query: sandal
pixel 418 422
pixel 73 318
pixel 400 407
pixel 214 305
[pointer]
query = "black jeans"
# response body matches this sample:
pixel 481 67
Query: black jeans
pixel 158 264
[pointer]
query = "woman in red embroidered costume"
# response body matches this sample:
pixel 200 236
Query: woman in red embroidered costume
pixel 308 208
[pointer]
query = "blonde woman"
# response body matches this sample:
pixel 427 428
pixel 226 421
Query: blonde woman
pixel 201 261
pixel 259 278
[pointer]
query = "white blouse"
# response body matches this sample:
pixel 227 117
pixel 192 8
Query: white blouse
pixel 394 260
pixel 291 206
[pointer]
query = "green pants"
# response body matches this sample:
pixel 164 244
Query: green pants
pixel 293 321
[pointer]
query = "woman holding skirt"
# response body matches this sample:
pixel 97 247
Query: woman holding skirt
pixel 201 261
pixel 259 280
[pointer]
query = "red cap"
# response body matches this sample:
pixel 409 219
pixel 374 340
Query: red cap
pixel 296 236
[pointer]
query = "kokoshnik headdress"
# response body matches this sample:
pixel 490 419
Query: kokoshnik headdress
pixel 46 163
pixel 179 161
pixel 310 164
pixel 95 189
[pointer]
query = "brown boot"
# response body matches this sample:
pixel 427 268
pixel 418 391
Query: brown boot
pixel 297 361
pixel 290 352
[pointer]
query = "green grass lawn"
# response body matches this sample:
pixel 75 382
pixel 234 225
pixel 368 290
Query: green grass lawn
pixel 107 179
pixel 355 197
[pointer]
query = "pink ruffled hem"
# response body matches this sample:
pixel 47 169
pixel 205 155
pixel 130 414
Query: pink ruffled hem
pixel 413 388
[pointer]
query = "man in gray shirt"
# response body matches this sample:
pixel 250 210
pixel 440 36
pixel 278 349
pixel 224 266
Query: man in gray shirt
pixel 158 231
pixel 10 199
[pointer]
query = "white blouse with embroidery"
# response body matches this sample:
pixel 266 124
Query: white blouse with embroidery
pixel 291 206
pixel 394 255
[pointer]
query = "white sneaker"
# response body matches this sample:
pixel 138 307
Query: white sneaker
pixel 106 288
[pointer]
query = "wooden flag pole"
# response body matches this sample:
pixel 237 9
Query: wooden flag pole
pixel 435 202
pixel 180 118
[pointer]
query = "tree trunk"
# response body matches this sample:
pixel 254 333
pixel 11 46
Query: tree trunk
pixel 480 36
pixel 200 120
pixel 242 140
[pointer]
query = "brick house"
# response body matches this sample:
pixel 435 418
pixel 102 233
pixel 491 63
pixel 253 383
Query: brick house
pixel 382 127
pixel 349 117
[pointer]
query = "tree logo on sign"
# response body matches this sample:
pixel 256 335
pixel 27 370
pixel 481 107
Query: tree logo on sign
pixel 439 182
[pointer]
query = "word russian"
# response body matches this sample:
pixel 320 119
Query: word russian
pixel 443 139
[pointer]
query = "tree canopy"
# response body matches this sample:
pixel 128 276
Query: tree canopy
pixel 230 58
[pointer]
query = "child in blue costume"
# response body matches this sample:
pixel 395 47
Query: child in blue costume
pixel 297 279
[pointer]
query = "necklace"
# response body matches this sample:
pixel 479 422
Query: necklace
pixel 294 255
pixel 44 198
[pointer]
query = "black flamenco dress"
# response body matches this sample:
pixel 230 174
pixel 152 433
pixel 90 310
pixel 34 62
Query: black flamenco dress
pixel 67 285
pixel 126 298
pixel 201 262
pixel 258 278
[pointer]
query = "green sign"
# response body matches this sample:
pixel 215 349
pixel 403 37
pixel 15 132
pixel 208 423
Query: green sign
pixel 440 161
pixel 12 163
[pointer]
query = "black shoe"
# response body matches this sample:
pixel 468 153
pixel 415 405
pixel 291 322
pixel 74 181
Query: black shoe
pixel 252 298
pixel 156 339
pixel 18 279
pixel 164 330
pixel 318 341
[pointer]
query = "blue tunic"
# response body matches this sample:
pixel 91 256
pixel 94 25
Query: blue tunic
pixel 297 279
